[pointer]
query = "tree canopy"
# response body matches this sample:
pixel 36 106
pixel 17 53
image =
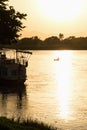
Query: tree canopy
pixel 10 23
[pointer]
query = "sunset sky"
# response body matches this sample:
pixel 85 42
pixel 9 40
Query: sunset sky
pixel 51 17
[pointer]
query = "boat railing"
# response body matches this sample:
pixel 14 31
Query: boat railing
pixel 14 61
pixel 21 62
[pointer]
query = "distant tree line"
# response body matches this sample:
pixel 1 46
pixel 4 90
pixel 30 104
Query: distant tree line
pixel 52 43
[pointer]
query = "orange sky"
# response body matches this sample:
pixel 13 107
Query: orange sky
pixel 51 17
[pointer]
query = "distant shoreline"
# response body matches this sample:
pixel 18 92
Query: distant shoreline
pixel 51 43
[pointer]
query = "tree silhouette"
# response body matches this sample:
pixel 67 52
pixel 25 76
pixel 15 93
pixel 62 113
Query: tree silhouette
pixel 10 23
pixel 61 36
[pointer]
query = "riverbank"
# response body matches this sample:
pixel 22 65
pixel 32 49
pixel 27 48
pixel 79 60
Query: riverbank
pixel 11 124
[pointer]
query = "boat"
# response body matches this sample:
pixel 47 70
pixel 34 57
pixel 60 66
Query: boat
pixel 57 59
pixel 13 70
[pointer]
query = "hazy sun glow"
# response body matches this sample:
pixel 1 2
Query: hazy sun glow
pixel 61 9
pixel 50 17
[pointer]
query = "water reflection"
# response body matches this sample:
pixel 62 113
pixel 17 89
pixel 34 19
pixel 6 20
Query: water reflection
pixel 63 78
pixel 12 100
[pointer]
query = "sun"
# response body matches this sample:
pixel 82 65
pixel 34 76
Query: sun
pixel 61 9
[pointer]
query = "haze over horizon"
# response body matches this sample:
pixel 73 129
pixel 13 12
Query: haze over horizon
pixel 50 17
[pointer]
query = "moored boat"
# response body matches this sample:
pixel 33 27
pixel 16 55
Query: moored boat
pixel 13 70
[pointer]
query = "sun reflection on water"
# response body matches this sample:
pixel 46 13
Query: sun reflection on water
pixel 63 79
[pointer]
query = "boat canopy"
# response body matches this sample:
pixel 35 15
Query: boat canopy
pixel 24 51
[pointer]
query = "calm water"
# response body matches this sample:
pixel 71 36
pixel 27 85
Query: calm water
pixel 55 92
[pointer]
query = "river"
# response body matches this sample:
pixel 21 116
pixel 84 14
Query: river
pixel 55 91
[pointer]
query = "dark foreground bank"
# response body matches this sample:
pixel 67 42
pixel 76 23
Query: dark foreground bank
pixel 10 124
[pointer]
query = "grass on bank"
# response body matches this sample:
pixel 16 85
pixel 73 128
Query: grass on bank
pixel 10 124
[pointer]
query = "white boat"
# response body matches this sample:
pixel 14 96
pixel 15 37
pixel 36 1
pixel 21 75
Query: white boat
pixel 13 70
pixel 57 59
